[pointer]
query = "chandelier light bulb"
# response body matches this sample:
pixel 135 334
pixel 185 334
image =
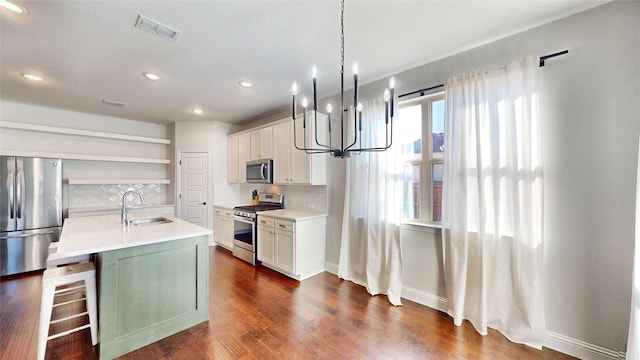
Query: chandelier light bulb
pixel 294 88
pixel 329 108
pixel 305 103
pixel 392 83
pixel 355 68
pixel 314 71
pixel 386 95
pixel 359 107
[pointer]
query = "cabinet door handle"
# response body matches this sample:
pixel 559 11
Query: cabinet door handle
pixel 282 225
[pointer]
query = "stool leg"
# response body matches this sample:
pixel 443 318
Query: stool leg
pixel 46 307
pixel 92 308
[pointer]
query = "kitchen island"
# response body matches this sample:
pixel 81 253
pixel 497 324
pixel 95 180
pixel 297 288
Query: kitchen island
pixel 152 279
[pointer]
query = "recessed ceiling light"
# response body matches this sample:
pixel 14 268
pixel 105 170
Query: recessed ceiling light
pixel 245 83
pixel 151 76
pixel 198 111
pixel 32 77
pixel 13 7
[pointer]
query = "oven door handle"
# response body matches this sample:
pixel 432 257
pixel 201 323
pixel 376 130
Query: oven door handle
pixel 242 219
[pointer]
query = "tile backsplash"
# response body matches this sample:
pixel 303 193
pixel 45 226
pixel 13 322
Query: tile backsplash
pixel 296 197
pixel 110 195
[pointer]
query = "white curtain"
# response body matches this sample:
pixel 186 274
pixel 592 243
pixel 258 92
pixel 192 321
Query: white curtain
pixel 633 347
pixel 370 250
pixel 492 202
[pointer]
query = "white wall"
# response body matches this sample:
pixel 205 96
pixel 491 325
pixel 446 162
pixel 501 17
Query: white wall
pixel 209 137
pixel 590 107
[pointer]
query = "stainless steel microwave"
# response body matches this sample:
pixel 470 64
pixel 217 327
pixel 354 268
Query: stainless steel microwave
pixel 260 171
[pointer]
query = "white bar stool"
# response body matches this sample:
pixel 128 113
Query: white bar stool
pixel 54 260
pixel 65 275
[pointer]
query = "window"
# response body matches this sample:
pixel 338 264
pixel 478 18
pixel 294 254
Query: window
pixel 423 161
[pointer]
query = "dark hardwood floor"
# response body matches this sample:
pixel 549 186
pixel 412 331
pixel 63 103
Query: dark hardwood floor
pixel 256 313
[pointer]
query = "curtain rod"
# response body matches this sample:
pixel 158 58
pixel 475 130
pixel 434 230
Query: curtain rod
pixel 542 60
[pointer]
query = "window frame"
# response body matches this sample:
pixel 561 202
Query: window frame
pixel 427 161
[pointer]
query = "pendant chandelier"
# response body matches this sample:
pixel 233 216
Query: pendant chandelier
pixel 355 146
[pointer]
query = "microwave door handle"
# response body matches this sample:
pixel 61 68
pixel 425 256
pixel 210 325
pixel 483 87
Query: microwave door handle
pixel 263 171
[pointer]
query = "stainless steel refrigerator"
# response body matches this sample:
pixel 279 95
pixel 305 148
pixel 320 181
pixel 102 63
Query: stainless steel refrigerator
pixel 30 213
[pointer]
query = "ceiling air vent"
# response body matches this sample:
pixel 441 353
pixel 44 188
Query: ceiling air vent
pixel 114 103
pixel 155 27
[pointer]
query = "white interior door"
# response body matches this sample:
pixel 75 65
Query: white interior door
pixel 194 190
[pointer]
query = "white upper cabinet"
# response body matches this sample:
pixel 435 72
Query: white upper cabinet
pixel 244 148
pixel 282 153
pixel 262 143
pixel 293 166
pixel 233 176
pixel 290 165
pixel 238 147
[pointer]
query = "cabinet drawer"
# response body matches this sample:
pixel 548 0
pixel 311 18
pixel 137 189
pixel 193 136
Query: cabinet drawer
pixel 223 212
pixel 284 225
pixel 266 221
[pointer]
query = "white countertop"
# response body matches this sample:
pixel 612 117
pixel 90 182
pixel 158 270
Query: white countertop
pixel 292 214
pixel 224 206
pixel 94 234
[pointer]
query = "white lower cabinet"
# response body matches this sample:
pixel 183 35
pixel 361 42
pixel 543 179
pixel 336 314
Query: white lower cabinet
pixel 293 247
pixel 266 245
pixel 223 227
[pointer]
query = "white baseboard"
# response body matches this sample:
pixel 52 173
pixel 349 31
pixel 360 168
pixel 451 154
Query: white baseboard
pixel 331 268
pixel 424 298
pixel 579 348
pixel 554 341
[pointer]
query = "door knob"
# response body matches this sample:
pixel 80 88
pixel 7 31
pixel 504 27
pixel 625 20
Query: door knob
pixel 204 203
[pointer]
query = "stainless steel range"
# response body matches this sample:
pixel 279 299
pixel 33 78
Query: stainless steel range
pixel 245 226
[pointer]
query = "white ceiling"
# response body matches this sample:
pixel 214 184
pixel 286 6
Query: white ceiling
pixel 90 50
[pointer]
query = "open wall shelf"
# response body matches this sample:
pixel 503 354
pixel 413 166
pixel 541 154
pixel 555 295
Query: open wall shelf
pixel 118 181
pixel 79 132
pixel 69 156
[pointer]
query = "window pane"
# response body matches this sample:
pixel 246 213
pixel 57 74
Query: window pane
pixel 409 133
pixel 411 191
pixel 437 128
pixel 436 191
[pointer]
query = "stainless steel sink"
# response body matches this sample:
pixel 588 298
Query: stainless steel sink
pixel 150 221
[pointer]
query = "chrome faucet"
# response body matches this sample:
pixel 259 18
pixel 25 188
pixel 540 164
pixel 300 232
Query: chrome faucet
pixel 123 216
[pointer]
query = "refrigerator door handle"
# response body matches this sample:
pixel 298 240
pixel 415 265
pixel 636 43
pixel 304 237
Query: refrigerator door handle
pixel 19 194
pixel 26 235
pixel 12 205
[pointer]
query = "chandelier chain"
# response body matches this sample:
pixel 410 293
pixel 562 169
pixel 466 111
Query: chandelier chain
pixel 342 37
